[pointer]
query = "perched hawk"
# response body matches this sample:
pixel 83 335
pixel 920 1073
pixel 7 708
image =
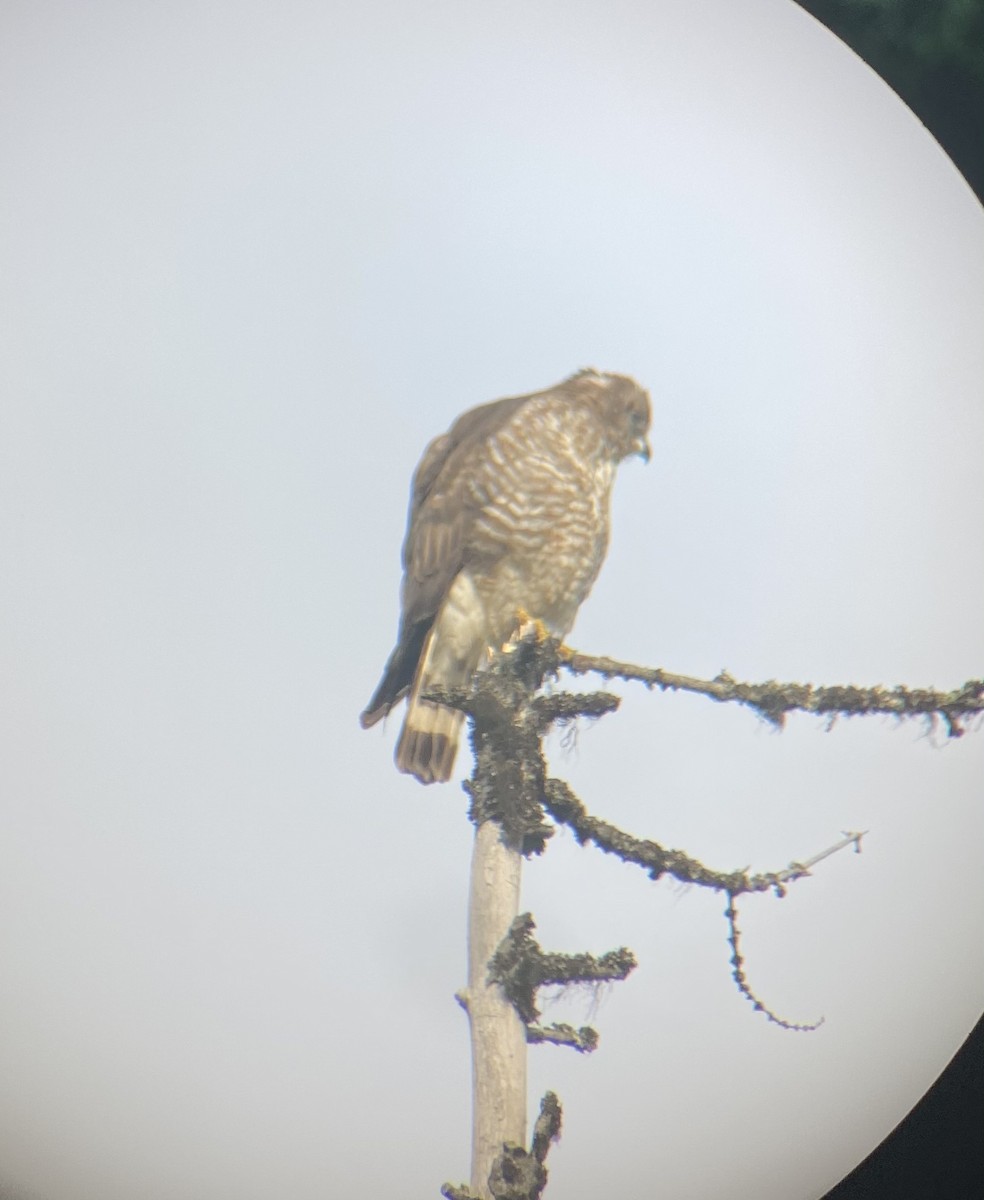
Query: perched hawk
pixel 509 513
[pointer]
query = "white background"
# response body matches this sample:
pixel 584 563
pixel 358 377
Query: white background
pixel 253 257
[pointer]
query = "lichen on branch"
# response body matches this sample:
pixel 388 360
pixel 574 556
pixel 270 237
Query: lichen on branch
pixel 520 967
pixel 563 805
pixel 773 700
pixel 519 1174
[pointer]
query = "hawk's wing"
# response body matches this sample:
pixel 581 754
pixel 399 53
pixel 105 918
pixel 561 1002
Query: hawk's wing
pixel 443 507
pixel 440 519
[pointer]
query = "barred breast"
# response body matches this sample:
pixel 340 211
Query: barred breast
pixel 543 491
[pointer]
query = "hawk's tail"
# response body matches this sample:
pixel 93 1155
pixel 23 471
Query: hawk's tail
pixel 429 741
pixel 451 652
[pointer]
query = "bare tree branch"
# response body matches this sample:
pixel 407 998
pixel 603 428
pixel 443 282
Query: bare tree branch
pixel 583 1040
pixel 772 700
pixel 741 980
pixel 521 967
pixel 547 1127
pixel 564 806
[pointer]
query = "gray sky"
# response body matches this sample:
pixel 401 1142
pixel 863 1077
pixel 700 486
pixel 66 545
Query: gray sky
pixel 253 258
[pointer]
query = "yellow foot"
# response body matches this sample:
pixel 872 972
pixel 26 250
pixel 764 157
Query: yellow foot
pixel 526 624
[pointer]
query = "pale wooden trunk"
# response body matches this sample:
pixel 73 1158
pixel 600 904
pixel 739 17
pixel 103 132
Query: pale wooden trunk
pixel 498 1036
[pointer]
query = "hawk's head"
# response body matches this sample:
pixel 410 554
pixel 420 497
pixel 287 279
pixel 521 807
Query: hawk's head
pixel 624 408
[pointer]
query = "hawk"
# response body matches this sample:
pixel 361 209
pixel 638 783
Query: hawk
pixel 509 514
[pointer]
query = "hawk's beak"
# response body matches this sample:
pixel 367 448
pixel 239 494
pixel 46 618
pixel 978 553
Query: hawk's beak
pixel 641 447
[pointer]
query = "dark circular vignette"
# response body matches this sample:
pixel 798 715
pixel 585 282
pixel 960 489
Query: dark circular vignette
pixel 932 56
pixel 939 1146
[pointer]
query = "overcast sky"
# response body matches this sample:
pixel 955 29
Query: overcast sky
pixel 254 256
